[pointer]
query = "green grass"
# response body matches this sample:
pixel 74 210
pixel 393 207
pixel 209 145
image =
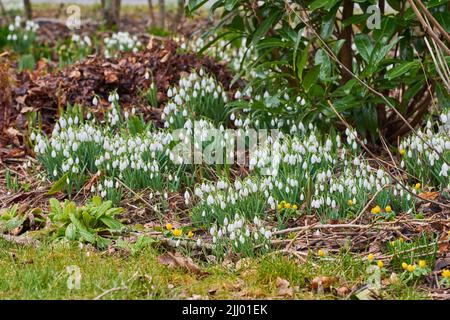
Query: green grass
pixel 40 273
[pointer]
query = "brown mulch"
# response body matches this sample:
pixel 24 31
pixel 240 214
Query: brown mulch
pixel 48 92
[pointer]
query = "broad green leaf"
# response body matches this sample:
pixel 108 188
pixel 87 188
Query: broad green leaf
pixel 195 4
pixel 229 4
pixel 401 69
pixel 71 232
pixel 82 230
pixel 364 46
pixel 301 65
pixel 323 60
pixel 266 25
pixel 270 43
pixel 112 223
pixel 311 77
pixel 327 4
pixel 55 206
pixel 58 185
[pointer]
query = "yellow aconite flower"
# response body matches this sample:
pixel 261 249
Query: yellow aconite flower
pixel 321 253
pixel 417 186
pixel 190 234
pixel 295 207
pixel 376 210
pixel 422 263
pixel 350 202
pixel 402 152
pixel 287 205
pixel 411 268
pixel 388 209
pixel 380 264
pixel 446 273
pixel 404 265
pixel 169 226
pixel 177 232
pixel 370 257
pixel 279 206
pixel 401 240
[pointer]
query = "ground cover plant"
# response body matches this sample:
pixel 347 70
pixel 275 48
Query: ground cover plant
pixel 282 149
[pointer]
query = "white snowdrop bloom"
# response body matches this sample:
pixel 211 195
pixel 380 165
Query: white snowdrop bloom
pixel 444 170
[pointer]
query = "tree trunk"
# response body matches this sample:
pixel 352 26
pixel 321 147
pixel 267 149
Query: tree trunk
pixel 111 12
pixel 151 14
pixel 162 14
pixel 346 55
pixel 179 15
pixel 28 9
pixel 116 10
pixel 2 9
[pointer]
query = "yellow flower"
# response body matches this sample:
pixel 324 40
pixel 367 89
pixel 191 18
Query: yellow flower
pixel 169 226
pixel 411 268
pixel 190 234
pixel 350 202
pixel 388 209
pixel 370 257
pixel 402 152
pixel 287 205
pixel 417 186
pixel 404 265
pixel 321 253
pixel 177 232
pixel 376 210
pixel 280 206
pixel 295 207
pixel 380 264
pixel 392 243
pixel 401 240
pixel 446 273
pixel 422 263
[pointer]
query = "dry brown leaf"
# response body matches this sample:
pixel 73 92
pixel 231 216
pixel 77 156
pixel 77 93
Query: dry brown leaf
pixel 284 288
pixel 343 291
pixel 178 261
pixel 429 195
pixel 75 74
pixel 323 282
pixel 165 58
pixel 111 77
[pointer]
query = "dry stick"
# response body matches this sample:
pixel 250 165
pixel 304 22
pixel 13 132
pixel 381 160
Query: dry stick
pixel 444 74
pixel 137 195
pixel 426 78
pixel 441 59
pixel 295 238
pixel 427 28
pixel 331 54
pixel 380 163
pixel 367 205
pixel 413 249
pixel 433 20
